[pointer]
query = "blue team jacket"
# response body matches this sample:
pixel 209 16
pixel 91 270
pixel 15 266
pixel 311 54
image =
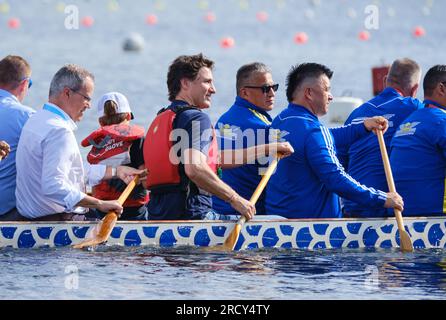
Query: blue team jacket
pixel 418 159
pixel 243 125
pixel 307 183
pixel 362 159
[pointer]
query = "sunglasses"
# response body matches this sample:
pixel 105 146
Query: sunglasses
pixel 30 82
pixel 265 88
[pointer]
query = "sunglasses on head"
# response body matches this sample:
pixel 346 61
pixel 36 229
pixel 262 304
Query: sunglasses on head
pixel 265 88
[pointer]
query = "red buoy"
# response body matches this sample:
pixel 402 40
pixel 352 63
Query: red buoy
pixel 227 42
pixel 151 19
pixel 364 35
pixel 262 16
pixel 210 17
pixel 301 38
pixel 419 31
pixel 14 23
pixel 87 21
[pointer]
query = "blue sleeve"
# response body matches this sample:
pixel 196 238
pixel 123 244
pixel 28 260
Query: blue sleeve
pixel 417 103
pixel 343 149
pixel 321 154
pixel 441 137
pixel 226 135
pixel 344 136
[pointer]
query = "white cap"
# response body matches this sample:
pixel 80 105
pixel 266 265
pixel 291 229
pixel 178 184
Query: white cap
pixel 119 98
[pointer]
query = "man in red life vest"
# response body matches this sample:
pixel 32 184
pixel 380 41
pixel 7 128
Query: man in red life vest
pixel 181 154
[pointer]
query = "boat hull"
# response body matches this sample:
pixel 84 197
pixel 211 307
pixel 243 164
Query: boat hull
pixel 291 233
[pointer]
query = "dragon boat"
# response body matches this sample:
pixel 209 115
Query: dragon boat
pixel 312 234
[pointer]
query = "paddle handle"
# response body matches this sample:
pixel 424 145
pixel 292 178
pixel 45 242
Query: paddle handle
pixel 255 196
pixel 389 175
pixel 258 191
pixel 124 195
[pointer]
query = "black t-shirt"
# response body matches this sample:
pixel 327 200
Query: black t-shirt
pixel 193 203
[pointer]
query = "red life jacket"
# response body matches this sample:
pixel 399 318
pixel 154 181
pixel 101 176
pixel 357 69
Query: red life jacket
pixel 111 146
pixel 109 141
pixel 160 158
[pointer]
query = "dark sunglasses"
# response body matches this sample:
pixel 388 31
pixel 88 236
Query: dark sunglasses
pixel 265 88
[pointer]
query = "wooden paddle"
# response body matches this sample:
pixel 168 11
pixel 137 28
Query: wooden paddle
pixel 103 230
pixel 231 240
pixel 405 241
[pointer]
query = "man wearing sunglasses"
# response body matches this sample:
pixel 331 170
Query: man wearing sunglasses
pixel 418 151
pixel 183 173
pixel 244 125
pixel 15 81
pixel 309 182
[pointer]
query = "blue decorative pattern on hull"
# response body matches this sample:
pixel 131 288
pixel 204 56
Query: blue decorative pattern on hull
pixel 301 234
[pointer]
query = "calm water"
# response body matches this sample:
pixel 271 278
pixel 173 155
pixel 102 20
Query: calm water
pixel 146 273
pixel 194 273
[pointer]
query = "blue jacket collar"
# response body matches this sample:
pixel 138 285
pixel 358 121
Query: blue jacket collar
pixel 302 109
pixel 428 102
pixel 391 92
pixel 239 101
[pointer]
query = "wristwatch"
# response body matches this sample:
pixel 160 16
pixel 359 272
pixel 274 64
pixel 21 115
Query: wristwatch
pixel 114 172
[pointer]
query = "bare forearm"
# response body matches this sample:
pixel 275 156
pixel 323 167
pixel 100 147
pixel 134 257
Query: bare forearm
pixel 235 158
pixel 207 180
pixel 89 202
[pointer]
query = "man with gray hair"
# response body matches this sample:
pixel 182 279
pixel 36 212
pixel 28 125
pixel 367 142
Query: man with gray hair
pixel 362 159
pixel 244 125
pixel 50 172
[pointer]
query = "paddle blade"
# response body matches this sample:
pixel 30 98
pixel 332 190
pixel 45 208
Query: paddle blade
pixel 231 240
pixel 100 233
pixel 405 242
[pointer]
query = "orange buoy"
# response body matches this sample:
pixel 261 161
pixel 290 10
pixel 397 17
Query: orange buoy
pixel 301 38
pixel 87 21
pixel 227 42
pixel 364 35
pixel 151 19
pixel 262 16
pixel 210 17
pixel 14 23
pixel 419 31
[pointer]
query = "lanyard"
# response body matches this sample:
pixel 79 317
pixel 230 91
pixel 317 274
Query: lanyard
pixel 54 110
pixel 262 117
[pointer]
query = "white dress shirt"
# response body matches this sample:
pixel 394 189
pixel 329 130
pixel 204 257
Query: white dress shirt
pixel 50 172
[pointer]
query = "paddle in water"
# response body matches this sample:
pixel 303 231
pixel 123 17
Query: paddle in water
pixel 231 240
pixel 102 231
pixel 405 241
